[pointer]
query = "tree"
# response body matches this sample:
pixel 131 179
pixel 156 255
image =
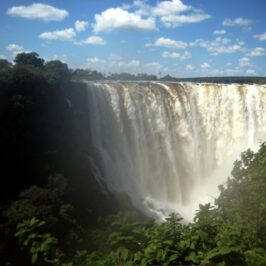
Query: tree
pixel 56 72
pixel 4 64
pixel 29 59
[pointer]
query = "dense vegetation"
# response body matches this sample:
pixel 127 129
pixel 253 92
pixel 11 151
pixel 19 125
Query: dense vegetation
pixel 44 152
pixel 53 212
pixel 81 74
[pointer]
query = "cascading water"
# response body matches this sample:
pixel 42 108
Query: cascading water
pixel 169 145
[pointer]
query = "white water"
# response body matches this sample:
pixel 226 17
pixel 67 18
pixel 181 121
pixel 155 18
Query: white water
pixel 169 145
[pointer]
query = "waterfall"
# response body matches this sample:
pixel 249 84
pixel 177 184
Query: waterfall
pixel 169 145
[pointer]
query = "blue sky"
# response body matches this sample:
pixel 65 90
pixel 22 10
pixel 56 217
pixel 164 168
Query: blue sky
pixel 184 38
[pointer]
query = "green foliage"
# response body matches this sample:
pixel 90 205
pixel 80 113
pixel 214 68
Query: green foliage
pixel 56 72
pixel 44 203
pixel 232 232
pixel 41 246
pixel 29 59
pixel 4 64
pixel 255 257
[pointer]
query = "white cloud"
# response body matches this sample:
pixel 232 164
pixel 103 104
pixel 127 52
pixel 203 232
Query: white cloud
pixel 240 22
pixel 94 60
pixel 96 40
pixel 113 64
pixel 115 57
pixel 169 43
pixel 234 71
pixel 205 66
pixel 251 72
pixel 66 34
pixel 116 64
pixel 63 58
pixel 153 68
pixel 142 7
pixel 81 25
pixel 219 46
pixel 162 8
pixel 122 64
pixel 38 11
pixel 244 62
pixel 117 18
pixel 219 32
pixel 95 63
pixel 166 8
pixel 178 20
pixel 260 37
pixel 15 49
pixel 258 51
pixel 179 56
pixel 190 67
pixel 228 71
pixel 143 16
pixel 170 12
pixel 3 56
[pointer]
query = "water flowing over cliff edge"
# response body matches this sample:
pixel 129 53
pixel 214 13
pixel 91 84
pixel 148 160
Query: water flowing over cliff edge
pixel 169 145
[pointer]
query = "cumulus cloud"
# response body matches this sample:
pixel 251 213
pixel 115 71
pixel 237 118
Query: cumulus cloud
pixel 143 16
pixel 258 51
pixel 38 11
pixel 166 8
pixel 66 34
pixel 190 67
pixel 239 22
pixel 168 43
pixel 81 25
pixel 179 56
pixel 117 18
pixel 113 66
pixel 219 32
pixel 153 68
pixel 113 63
pixel 3 56
pixel 205 66
pixel 251 72
pixel 96 40
pixel 162 8
pixel 219 46
pixel 260 37
pixel 170 12
pixel 62 57
pixel 178 20
pixel 116 64
pixel 244 62
pixel 15 49
pixel 226 72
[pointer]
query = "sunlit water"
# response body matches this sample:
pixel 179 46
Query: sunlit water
pixel 169 145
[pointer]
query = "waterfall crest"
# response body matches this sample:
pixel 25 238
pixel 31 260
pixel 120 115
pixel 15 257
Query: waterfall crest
pixel 168 145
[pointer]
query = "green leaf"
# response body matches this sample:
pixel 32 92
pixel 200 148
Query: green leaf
pixel 173 258
pixel 192 257
pixel 34 258
pixel 168 242
pixel 181 244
